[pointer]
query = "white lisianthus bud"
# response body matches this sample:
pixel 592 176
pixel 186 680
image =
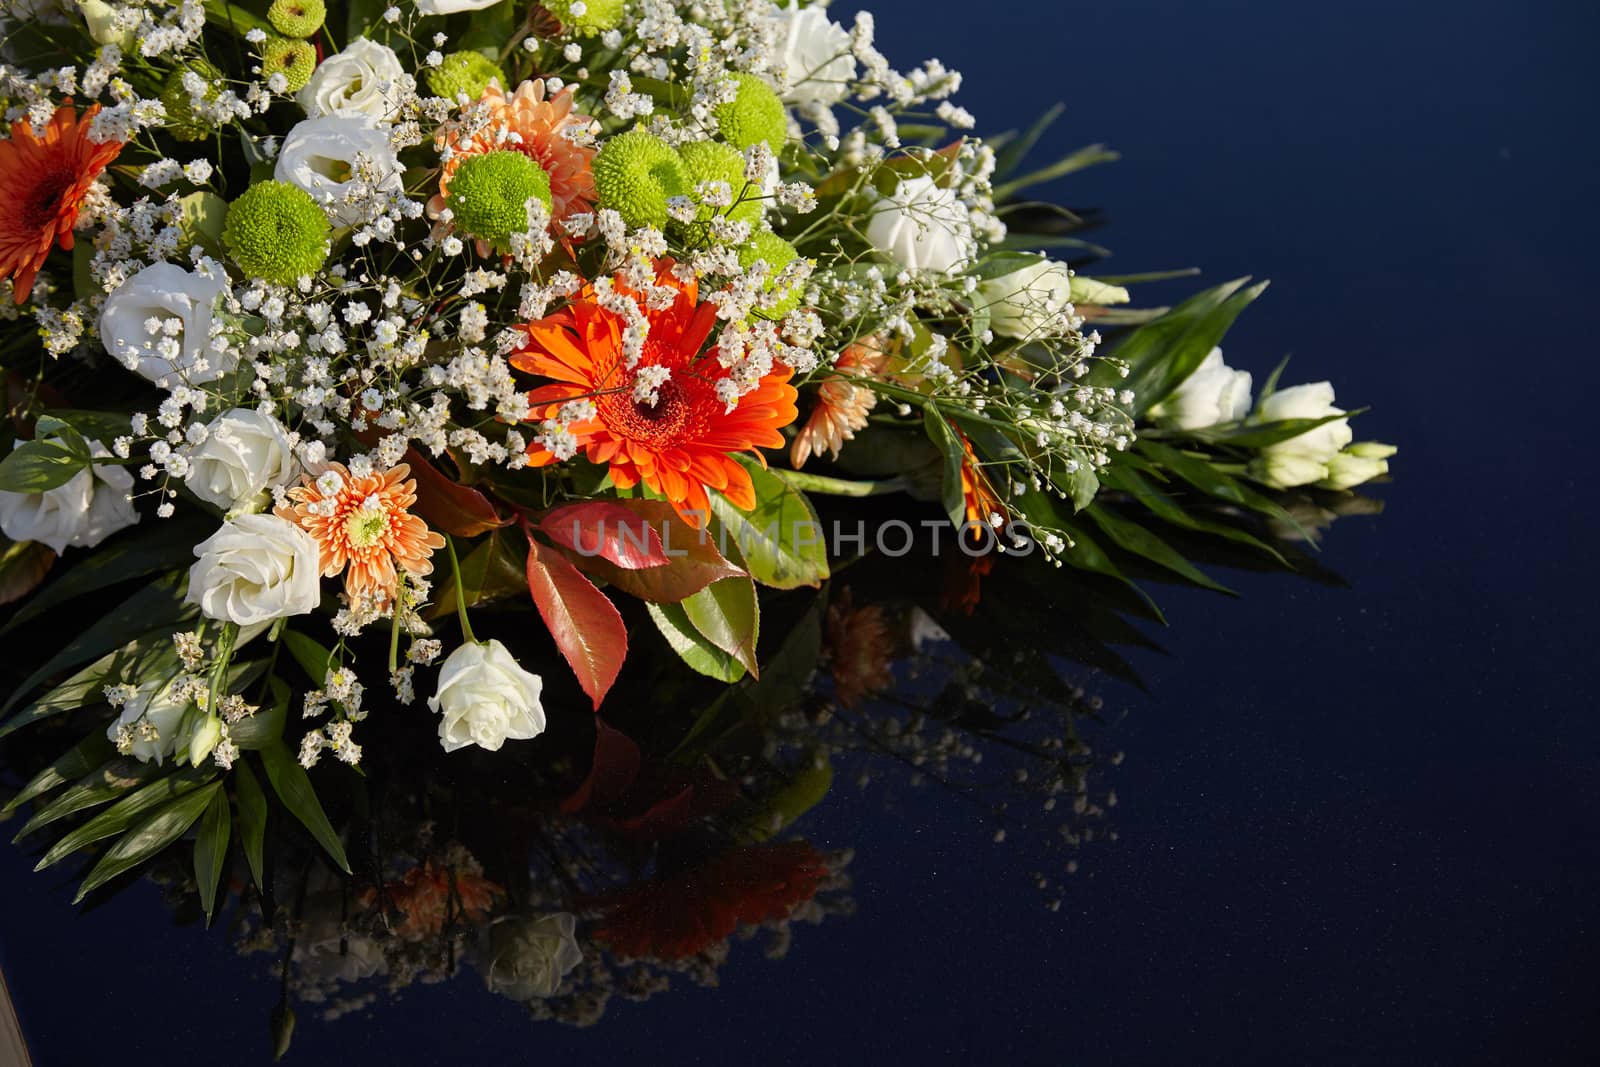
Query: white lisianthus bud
pixel 528 957
pixel 486 698
pixel 256 568
pixel 244 456
pixel 922 227
pixel 366 77
pixel 103 28
pixel 1304 458
pixel 204 739
pixel 161 710
pixel 1089 291
pixel 450 7
pixel 813 55
pixel 1028 302
pixel 158 296
pixel 319 156
pixel 88 508
pixel 1359 463
pixel 1213 394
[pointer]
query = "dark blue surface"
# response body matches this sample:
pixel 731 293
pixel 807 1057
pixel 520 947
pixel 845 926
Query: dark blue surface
pixel 1357 826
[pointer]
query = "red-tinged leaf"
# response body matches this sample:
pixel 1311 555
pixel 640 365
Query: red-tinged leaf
pixel 23 565
pixel 693 559
pixel 611 775
pixel 606 530
pixel 582 619
pixel 457 510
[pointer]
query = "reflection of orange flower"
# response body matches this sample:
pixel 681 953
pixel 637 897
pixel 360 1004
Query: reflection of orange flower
pixel 43 181
pixel 860 645
pixel 841 406
pixel 363 528
pixel 535 124
pixel 682 915
pixel 432 895
pixel 983 503
pixel 681 444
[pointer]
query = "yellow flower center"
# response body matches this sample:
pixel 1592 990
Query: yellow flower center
pixel 365 528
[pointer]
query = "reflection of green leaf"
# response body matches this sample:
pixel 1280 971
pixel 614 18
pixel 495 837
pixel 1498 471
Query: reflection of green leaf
pixel 780 538
pixel 700 654
pixel 125 812
pixel 148 838
pixel 727 614
pixel 1086 555
pixel 293 786
pixel 799 795
pixel 211 850
pixel 252 819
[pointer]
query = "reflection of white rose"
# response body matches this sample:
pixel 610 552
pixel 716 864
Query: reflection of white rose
pixel 1214 394
pixel 320 155
pixel 813 56
pixel 1030 301
pixel 88 508
pixel 328 955
pixel 529 957
pixel 365 77
pixel 162 713
pixel 486 698
pixel 255 569
pixel 158 324
pixel 922 227
pixel 245 454
pixel 1304 458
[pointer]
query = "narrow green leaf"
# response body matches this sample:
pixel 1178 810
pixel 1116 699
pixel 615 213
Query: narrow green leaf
pixel 1088 156
pixel 125 812
pixel 951 494
pixel 1168 510
pixel 148 838
pixel 691 646
pixel 1262 434
pixel 211 850
pixel 1015 149
pixel 293 786
pixel 314 657
pixel 252 819
pixel 1085 554
pixel 1131 537
pixel 1214 483
pixel 101 786
pixel 85 756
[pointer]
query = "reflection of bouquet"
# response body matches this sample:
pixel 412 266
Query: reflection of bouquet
pixel 460 300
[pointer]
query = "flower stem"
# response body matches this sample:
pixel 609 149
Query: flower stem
pixel 461 590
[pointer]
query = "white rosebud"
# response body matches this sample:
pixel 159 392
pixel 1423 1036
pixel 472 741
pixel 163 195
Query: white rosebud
pixel 1304 458
pixel 486 698
pixel 1213 394
pixel 256 568
pixel 1089 291
pixel 88 508
pixel 814 54
pixel 528 957
pixel 1028 302
pixel 366 77
pixel 244 456
pixel 163 292
pixel 922 227
pixel 162 709
pixel 319 156
pixel 1359 463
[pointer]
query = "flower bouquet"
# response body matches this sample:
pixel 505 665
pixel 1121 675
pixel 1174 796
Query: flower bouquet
pixel 361 357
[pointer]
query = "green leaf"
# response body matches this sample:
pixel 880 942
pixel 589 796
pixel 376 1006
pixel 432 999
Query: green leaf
pixel 951 494
pixel 103 426
pixel 315 658
pixel 1131 537
pixel 101 786
pixel 203 214
pixel 93 751
pixel 261 729
pixel 727 614
pixel 1085 554
pixel 1168 510
pixel 1089 156
pixel 293 786
pixel 780 538
pixel 691 646
pixel 125 812
pixel 1262 434
pixel 495 569
pixel 148 838
pixel 252 819
pixel 211 850
pixel 1214 483
pixel 37 466
pixel 1013 150
pixel 23 565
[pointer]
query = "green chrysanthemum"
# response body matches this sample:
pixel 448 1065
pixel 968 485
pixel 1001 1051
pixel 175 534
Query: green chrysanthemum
pixel 635 174
pixel 295 60
pixel 297 18
pixel 182 122
pixel 464 72
pixel 593 16
pixel 713 161
pixel 754 114
pixel 778 254
pixel 489 194
pixel 276 232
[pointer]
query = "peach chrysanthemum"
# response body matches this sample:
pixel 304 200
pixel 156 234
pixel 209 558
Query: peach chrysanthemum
pixel 533 123
pixel 43 182
pixel 841 406
pixel 364 529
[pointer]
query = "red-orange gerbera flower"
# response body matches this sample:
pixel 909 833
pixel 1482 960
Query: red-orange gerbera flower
pixel 364 529
pixel 681 444
pixel 43 181
pixel 983 503
pixel 841 406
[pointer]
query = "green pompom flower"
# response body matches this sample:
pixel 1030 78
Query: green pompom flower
pixel 713 161
pixel 295 60
pixel 276 232
pixel 635 174
pixel 778 254
pixel 489 194
pixel 182 122
pixel 754 114
pixel 297 18
pixel 593 16
pixel 464 72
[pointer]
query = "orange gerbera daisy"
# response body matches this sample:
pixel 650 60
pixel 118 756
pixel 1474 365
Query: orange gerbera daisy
pixel 535 124
pixel 982 501
pixel 841 406
pixel 681 444
pixel 364 529
pixel 43 181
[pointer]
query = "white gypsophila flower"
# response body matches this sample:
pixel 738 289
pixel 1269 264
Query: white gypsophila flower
pixel 922 227
pixel 320 155
pixel 256 568
pixel 89 507
pixel 150 720
pixel 1029 302
pixel 528 957
pixel 136 325
pixel 245 455
pixel 813 55
pixel 1213 394
pixel 486 698
pixel 1304 458
pixel 365 77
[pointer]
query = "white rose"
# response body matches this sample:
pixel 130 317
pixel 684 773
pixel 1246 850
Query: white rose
pixel 486 698
pixel 88 508
pixel 1030 301
pixel 813 57
pixel 1304 458
pixel 1213 394
pixel 529 957
pixel 256 568
pixel 922 227
pixel 450 7
pixel 162 712
pixel 365 77
pixel 320 156
pixel 244 456
pixel 137 318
